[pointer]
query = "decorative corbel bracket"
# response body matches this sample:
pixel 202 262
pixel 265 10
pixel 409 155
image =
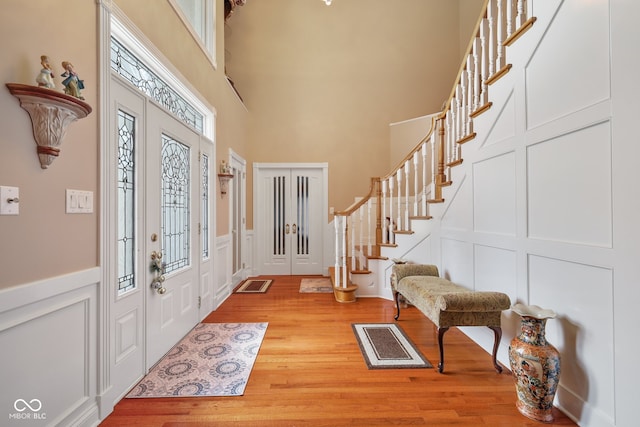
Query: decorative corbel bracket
pixel 224 182
pixel 51 112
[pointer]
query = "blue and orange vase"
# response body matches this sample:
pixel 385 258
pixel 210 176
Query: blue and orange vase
pixel 535 364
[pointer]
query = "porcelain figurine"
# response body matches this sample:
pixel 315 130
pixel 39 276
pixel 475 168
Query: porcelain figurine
pixel 72 83
pixel 45 78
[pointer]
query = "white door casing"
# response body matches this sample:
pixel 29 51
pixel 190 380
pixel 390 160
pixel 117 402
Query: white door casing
pixel 290 209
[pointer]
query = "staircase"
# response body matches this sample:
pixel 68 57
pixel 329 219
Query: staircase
pixel 392 220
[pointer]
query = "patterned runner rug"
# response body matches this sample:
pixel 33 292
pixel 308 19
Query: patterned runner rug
pixel 252 286
pixel 316 285
pixel 214 359
pixel 385 346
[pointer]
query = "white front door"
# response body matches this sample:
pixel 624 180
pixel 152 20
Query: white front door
pixel 157 207
pixel 171 223
pixel 290 215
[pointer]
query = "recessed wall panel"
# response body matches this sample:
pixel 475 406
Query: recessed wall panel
pixel 569 187
pixel 457 262
pixel 457 214
pixel 494 195
pixel 584 332
pixel 569 70
pixel 495 270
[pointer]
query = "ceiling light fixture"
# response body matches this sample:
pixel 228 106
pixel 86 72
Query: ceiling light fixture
pixel 327 2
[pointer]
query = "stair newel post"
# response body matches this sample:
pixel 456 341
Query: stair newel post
pixel 423 202
pixel 356 256
pixel 407 173
pixel 415 183
pixel 351 261
pixel 345 233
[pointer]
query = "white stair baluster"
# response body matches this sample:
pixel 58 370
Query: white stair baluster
pixel 384 212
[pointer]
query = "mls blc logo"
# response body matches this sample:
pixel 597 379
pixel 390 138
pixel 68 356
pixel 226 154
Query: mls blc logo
pixel 27 410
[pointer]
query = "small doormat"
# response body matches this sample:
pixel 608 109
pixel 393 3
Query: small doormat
pixel 252 286
pixel 317 285
pixel 386 346
pixel 214 359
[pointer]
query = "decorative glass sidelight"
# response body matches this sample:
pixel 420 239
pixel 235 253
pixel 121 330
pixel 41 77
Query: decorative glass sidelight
pixel 140 75
pixel 204 223
pixel 279 216
pixel 175 204
pixel 126 202
pixel 302 217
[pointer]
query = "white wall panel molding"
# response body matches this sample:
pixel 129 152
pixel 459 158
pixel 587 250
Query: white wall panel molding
pixel 584 331
pixel 570 69
pixel 503 127
pixel 457 261
pixel 456 213
pixel 223 273
pixel 52 323
pixel 570 188
pixel 494 195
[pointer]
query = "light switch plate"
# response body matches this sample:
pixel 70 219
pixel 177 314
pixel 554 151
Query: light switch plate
pixel 79 201
pixel 7 207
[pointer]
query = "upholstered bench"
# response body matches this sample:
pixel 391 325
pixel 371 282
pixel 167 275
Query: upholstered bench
pixel 447 304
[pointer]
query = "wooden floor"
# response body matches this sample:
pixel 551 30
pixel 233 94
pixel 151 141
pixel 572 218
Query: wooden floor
pixel 310 372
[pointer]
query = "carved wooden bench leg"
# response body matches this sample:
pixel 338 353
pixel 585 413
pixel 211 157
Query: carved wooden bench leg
pixel 441 332
pixel 397 297
pixel 497 333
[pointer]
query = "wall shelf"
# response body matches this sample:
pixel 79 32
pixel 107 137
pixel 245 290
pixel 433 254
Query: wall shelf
pixel 50 112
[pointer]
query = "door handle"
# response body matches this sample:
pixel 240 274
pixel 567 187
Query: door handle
pixel 286 229
pixel 158 268
pixel 295 229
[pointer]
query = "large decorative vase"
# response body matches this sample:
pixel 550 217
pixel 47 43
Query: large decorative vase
pixel 535 364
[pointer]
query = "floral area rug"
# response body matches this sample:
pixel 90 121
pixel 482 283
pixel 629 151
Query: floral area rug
pixel 316 285
pixel 214 359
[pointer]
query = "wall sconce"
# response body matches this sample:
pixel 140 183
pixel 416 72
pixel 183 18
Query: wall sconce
pixel 224 182
pixel 224 176
pixel 50 112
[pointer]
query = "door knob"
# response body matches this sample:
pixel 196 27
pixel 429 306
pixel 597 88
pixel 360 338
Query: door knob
pixel 295 229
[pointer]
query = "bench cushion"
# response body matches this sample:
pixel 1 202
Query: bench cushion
pixel 445 303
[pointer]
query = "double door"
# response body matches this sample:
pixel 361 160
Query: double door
pixel 290 213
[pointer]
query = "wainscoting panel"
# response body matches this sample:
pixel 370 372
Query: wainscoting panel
pixel 222 269
pixel 494 195
pixel 553 69
pixel 457 261
pixel 559 208
pixel 504 126
pixel 127 338
pixel 457 211
pixel 495 270
pixel 49 360
pixel 583 333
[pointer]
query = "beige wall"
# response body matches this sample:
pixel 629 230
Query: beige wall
pixel 324 83
pixel 43 241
